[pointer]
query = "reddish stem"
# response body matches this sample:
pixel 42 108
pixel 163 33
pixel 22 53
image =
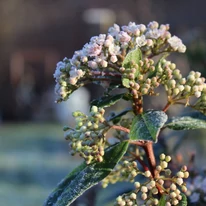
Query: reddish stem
pixel 148 147
pixel 120 128
pixel 140 161
pixel 166 107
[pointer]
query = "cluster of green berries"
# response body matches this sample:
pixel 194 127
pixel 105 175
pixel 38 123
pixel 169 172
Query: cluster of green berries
pixel 127 199
pixel 180 87
pixel 88 137
pixel 124 171
pixel 139 77
pixel 163 183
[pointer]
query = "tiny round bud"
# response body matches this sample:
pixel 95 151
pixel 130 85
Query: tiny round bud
pixel 113 58
pixel 180 174
pixel 155 201
pixel 159 168
pixel 147 173
pixel 161 182
pixel 179 181
pixel 175 201
pixel 187 88
pixel 144 189
pixel 184 188
pixel 152 183
pixel 173 186
pixel 186 174
pixel 162 156
pixel 176 91
pixel 168 158
pixel 173 194
pixel 133 173
pixel 133 196
pixel 164 164
pixel 168 172
pixel 144 196
pixel 154 191
pixel 184 168
pixel 137 185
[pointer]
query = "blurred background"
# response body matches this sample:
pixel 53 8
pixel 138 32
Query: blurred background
pixel 34 36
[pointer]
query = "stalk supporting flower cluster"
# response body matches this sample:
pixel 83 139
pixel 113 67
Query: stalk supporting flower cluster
pixel 132 61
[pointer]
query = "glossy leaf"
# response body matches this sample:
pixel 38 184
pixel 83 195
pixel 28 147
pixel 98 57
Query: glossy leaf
pixel 133 56
pixel 126 82
pixel 183 201
pixel 162 201
pixel 86 176
pixel 107 101
pixel 146 126
pixel 194 120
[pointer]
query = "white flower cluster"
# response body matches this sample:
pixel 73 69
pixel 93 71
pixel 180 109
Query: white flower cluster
pixel 107 51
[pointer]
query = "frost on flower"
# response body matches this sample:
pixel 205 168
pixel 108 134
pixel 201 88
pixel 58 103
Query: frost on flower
pixel 141 41
pixel 114 30
pixel 154 33
pixel 106 52
pixel 176 44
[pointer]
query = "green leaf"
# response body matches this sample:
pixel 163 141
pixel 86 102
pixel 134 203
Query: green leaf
pixel 183 201
pixel 195 120
pixel 146 126
pixel 126 82
pixel 163 201
pixel 107 101
pixel 133 56
pixel 85 176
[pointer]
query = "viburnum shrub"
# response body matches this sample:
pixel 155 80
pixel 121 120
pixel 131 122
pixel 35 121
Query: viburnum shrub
pixel 130 63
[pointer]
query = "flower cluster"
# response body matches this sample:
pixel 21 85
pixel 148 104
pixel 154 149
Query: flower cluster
pixel 179 88
pixel 164 184
pixel 106 52
pixel 88 137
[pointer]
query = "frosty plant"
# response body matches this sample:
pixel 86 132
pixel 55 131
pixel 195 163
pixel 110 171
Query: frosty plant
pixel 130 63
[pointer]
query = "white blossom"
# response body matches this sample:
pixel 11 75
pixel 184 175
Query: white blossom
pixel 154 33
pixel 141 41
pixel 123 37
pixel 176 44
pixel 114 30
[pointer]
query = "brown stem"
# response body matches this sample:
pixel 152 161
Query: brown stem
pixel 166 106
pixel 124 129
pixel 137 105
pixel 148 147
pixel 140 161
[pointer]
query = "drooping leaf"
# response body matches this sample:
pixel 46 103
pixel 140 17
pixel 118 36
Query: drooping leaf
pixel 107 101
pixel 146 126
pixel 195 120
pixel 85 176
pixel 133 56
pixel 162 201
